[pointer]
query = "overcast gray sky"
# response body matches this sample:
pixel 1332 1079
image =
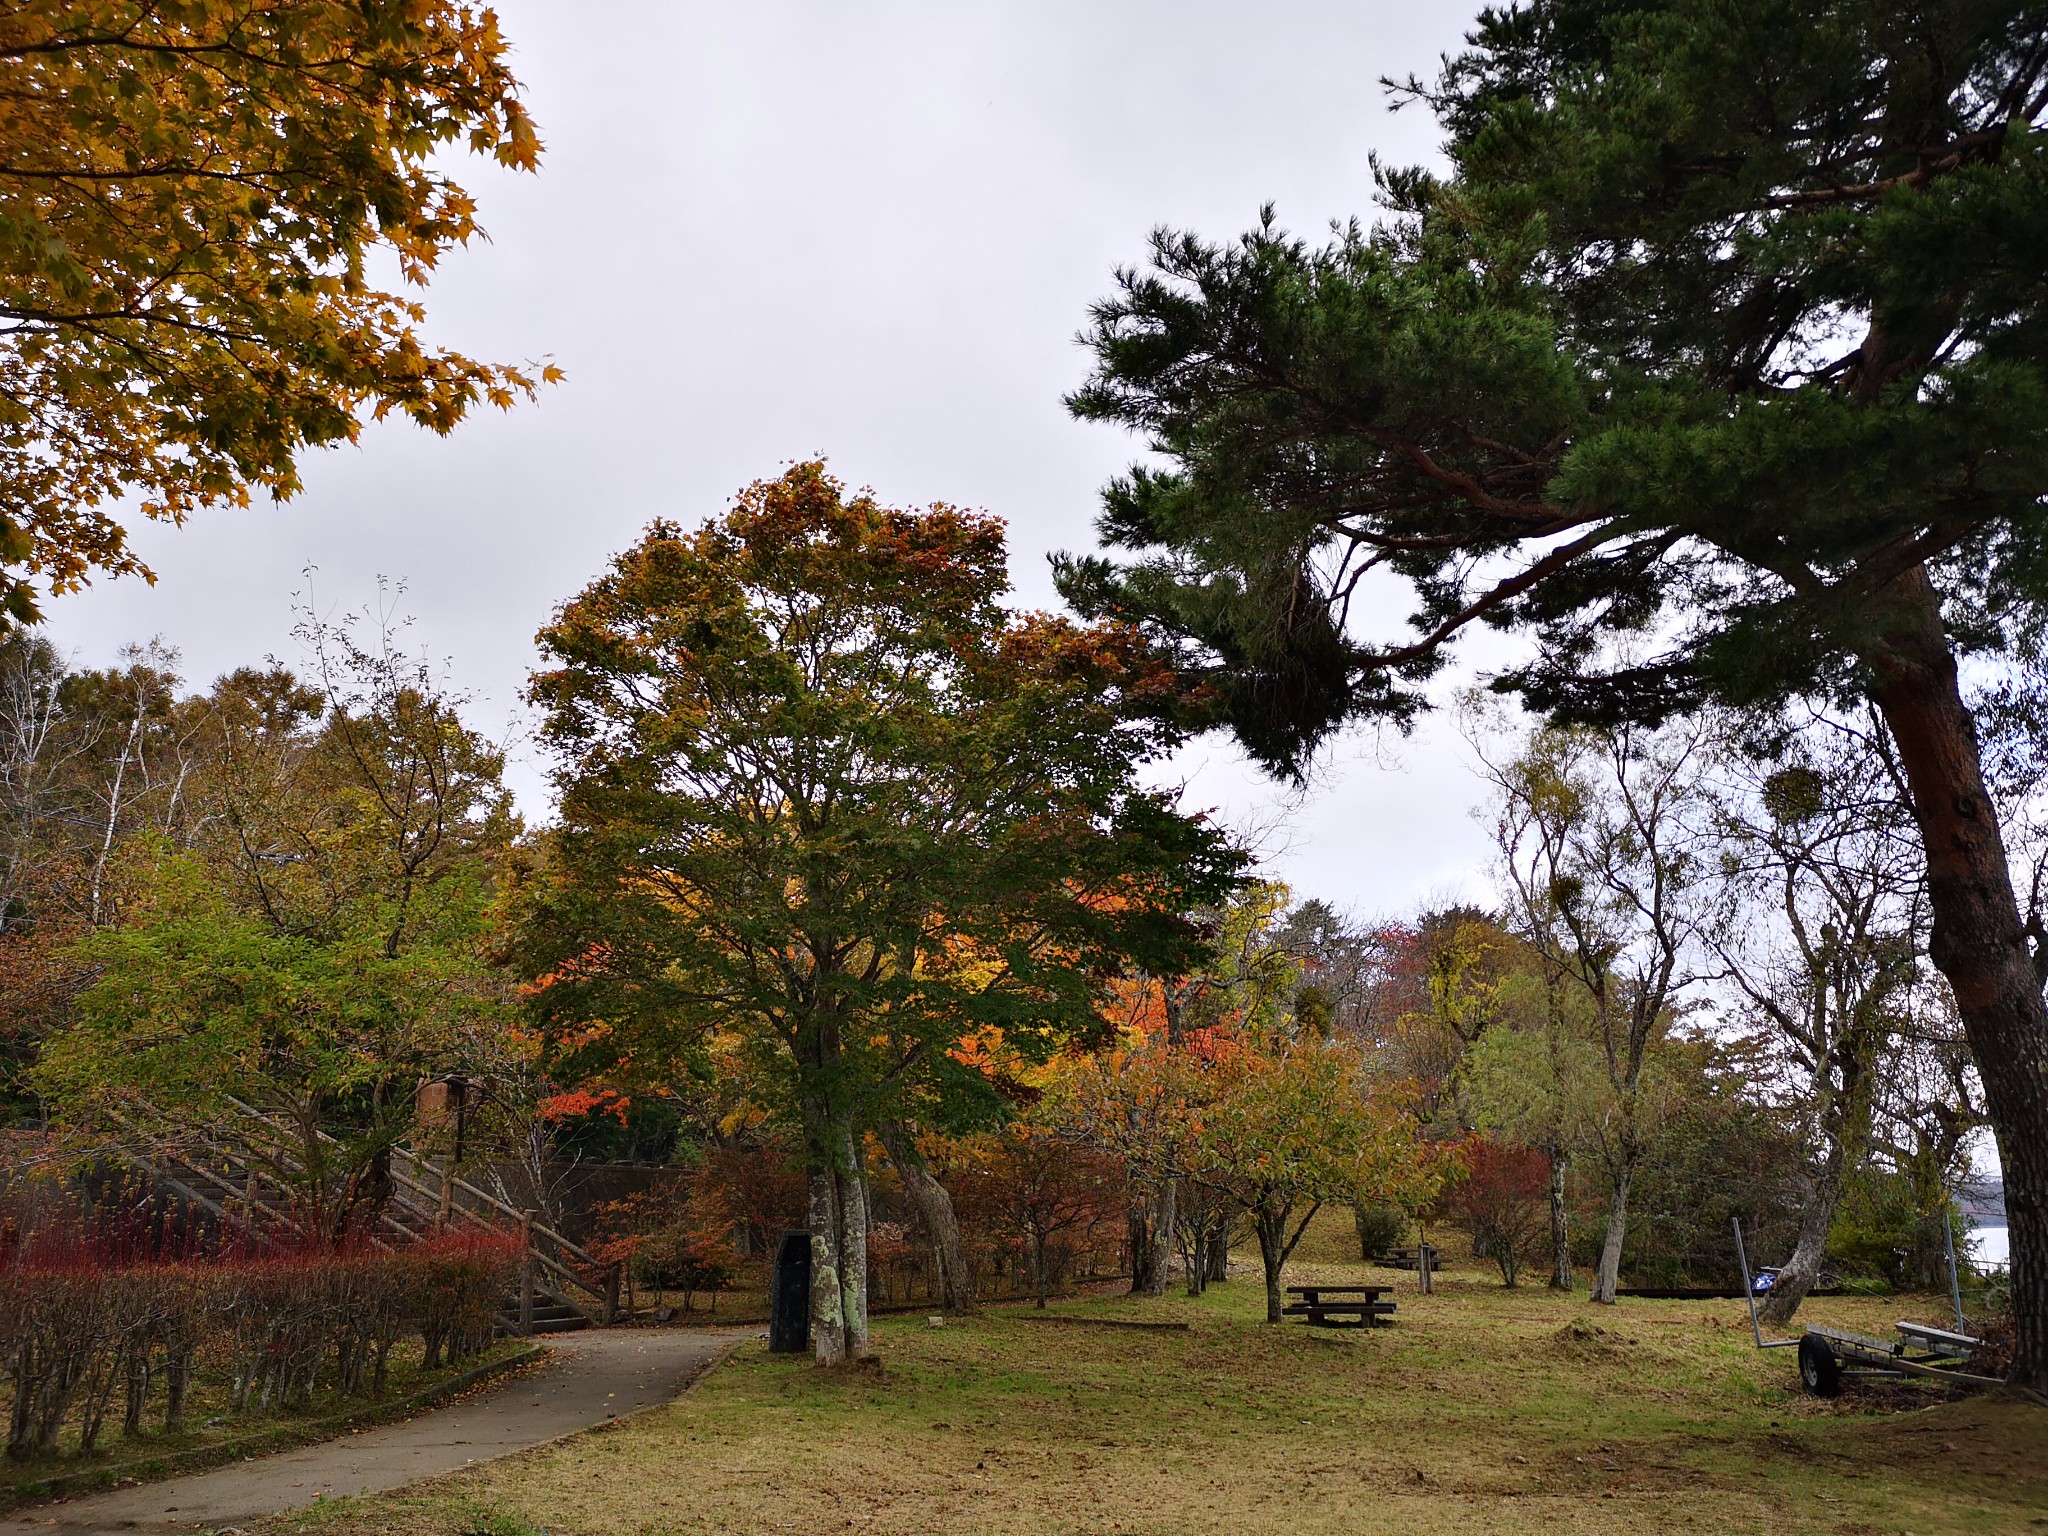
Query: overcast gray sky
pixel 871 231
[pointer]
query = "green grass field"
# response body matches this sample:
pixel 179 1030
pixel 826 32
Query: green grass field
pixel 1484 1410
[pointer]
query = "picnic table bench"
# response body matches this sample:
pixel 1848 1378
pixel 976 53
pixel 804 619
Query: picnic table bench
pixel 1339 1306
pixel 1409 1258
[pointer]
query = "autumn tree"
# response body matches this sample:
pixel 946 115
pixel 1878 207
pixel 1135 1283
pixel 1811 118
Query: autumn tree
pixel 1293 1124
pixel 1713 363
pixel 1243 974
pixel 1139 1100
pixel 1602 858
pixel 1499 1200
pixel 192 199
pixel 1270 1125
pixel 822 793
pixel 1047 1193
pixel 314 947
pixel 1817 932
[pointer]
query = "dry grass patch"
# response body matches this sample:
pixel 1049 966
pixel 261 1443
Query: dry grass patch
pixel 1483 1410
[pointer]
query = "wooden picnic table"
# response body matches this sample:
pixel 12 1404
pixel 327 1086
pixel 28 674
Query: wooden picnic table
pixel 1409 1258
pixel 1339 1306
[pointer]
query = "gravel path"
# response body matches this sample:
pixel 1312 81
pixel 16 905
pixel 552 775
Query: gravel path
pixel 586 1379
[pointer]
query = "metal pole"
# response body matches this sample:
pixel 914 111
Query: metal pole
pixel 1749 1295
pixel 1748 1287
pixel 1955 1284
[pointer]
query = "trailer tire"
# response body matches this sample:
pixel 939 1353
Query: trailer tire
pixel 1819 1371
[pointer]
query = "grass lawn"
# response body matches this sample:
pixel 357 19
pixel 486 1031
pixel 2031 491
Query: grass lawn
pixel 1483 1410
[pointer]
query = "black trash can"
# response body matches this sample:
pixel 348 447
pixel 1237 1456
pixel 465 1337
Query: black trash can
pixel 789 1303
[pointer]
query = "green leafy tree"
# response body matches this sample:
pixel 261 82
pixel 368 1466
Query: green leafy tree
pixel 821 794
pixel 1725 335
pixel 198 1009
pixel 311 937
pixel 191 195
pixel 1539 1083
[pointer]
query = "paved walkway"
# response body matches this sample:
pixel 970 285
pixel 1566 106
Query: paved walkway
pixel 588 1378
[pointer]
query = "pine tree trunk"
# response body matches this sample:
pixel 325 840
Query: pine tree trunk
pixel 1608 1276
pixel 935 1206
pixel 1978 940
pixel 1561 1278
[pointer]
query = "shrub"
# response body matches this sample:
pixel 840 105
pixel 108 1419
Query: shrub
pixel 1889 1227
pixel 1381 1228
pixel 81 1325
pixel 1502 1202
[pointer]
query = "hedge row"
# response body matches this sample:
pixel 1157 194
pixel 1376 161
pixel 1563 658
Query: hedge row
pixel 77 1333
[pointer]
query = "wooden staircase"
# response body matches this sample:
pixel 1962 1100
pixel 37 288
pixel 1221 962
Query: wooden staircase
pixel 562 1285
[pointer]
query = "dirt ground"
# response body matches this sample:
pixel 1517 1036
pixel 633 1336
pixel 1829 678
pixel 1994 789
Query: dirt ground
pixel 1483 1410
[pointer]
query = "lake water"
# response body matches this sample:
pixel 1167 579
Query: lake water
pixel 1990 1247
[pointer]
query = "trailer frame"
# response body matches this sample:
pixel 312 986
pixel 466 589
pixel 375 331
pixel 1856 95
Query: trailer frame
pixel 1830 1356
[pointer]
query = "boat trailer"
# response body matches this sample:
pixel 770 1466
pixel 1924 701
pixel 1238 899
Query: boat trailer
pixel 1830 1356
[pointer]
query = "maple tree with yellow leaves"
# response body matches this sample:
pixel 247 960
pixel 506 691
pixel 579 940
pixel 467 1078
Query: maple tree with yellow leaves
pixel 192 194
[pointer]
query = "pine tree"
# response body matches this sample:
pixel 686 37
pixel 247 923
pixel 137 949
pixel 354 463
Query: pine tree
pixel 1717 363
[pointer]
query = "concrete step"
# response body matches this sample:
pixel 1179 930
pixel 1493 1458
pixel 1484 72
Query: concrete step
pixel 548 1317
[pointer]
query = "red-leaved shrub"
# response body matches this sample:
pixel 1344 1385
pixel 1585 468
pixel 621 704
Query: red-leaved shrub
pixel 82 1321
pixel 1503 1202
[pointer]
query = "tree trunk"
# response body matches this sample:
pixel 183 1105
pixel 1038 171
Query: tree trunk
pixel 1978 940
pixel 177 1382
pixel 135 1373
pixel 1271 1221
pixel 839 1243
pixel 1842 1118
pixel 935 1205
pixel 1216 1258
pixel 1798 1275
pixel 853 1248
pixel 1138 1231
pixel 1561 1278
pixel 828 1316
pixel 1608 1276
pixel 1160 1259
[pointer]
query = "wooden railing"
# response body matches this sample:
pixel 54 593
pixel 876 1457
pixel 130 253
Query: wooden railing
pixel 450 1198
pixel 435 1198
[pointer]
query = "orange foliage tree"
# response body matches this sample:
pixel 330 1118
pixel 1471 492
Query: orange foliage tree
pixel 190 198
pixel 823 795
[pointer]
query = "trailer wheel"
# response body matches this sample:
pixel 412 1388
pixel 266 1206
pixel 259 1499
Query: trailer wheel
pixel 1819 1371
